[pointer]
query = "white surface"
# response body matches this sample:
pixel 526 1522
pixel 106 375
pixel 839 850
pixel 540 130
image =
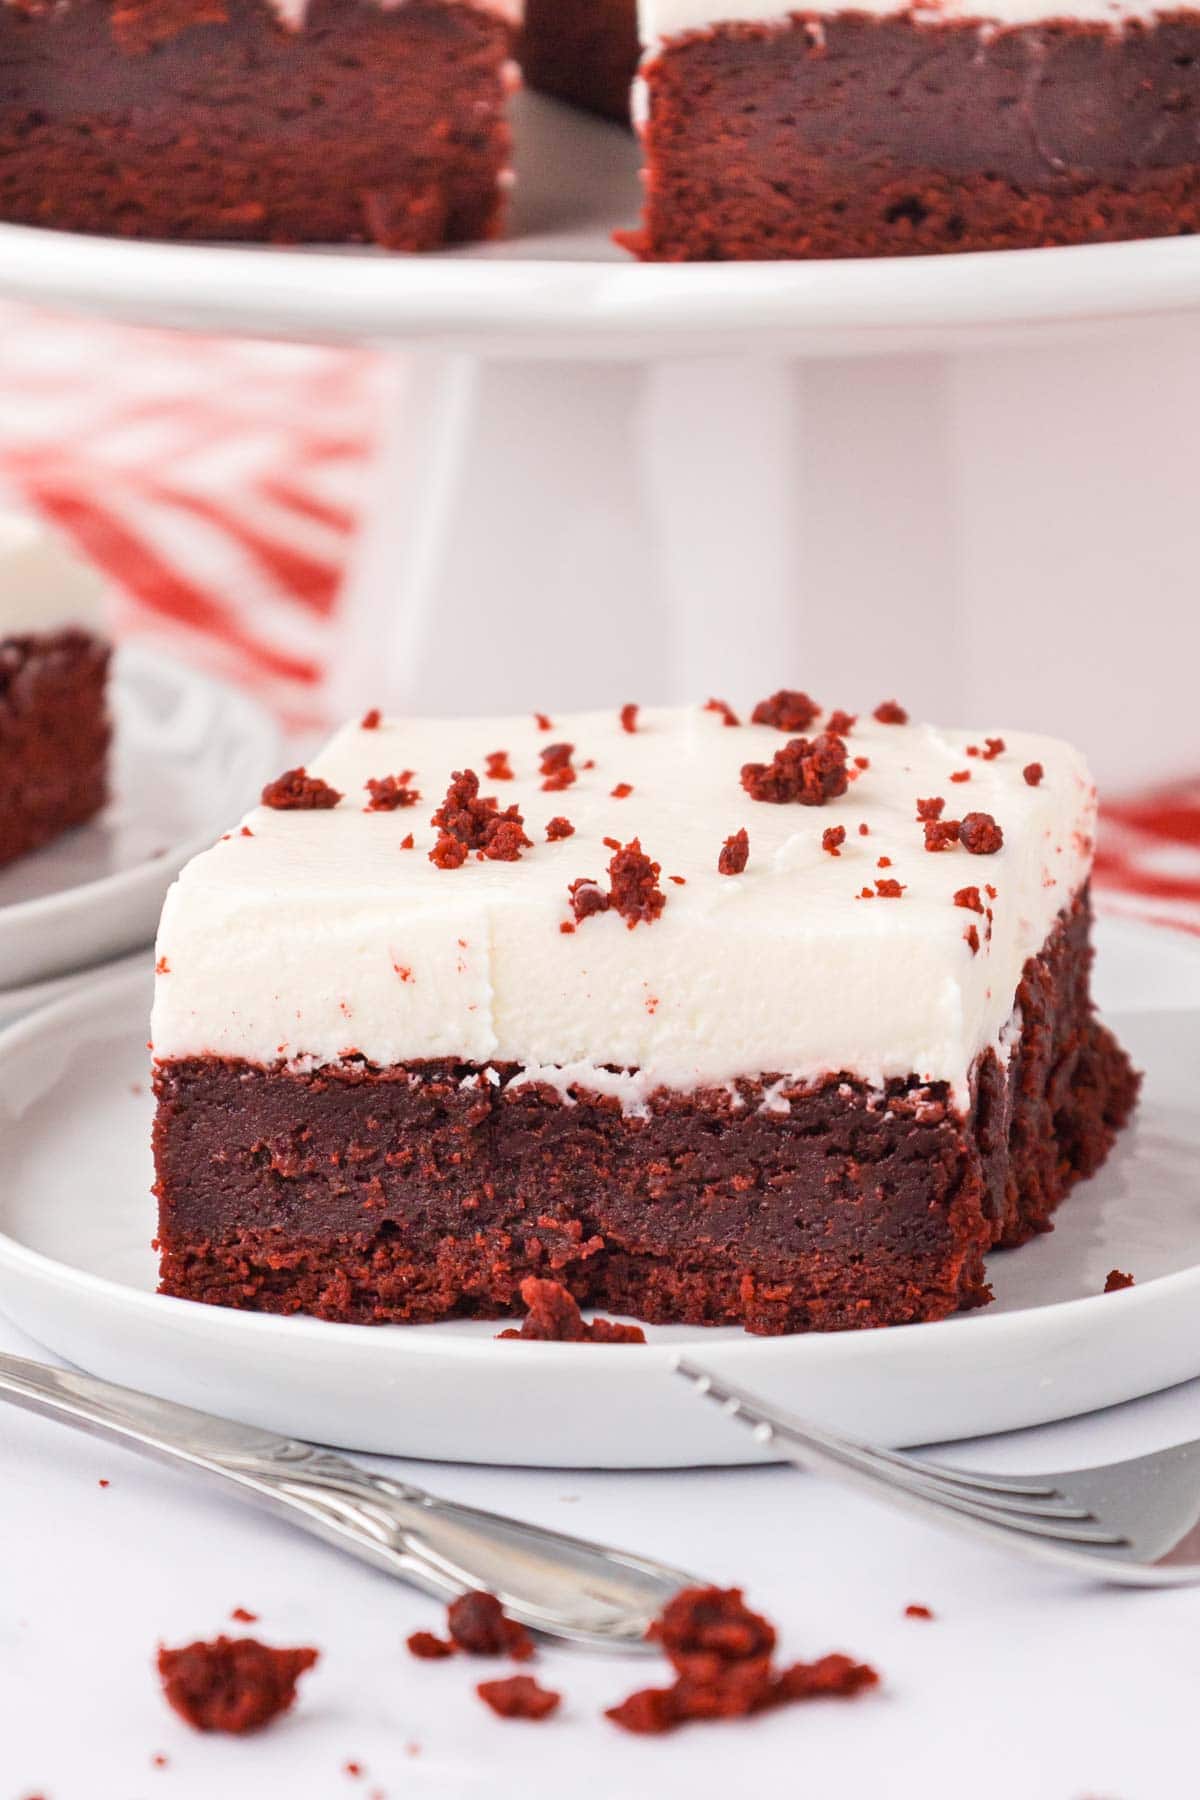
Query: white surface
pixel 667 18
pixel 43 584
pixel 18 1002
pixel 557 285
pixel 188 754
pixel 316 934
pixel 77 1272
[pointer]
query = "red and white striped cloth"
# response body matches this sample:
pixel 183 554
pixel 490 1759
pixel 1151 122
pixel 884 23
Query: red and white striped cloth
pixel 218 482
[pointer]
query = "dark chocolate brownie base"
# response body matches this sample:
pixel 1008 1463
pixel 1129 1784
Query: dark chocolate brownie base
pixel 400 1194
pixel 859 136
pixel 54 737
pixel 211 119
pixel 584 51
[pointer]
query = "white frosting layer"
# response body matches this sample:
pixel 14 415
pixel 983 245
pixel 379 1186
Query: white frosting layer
pixel 318 935
pixel 662 19
pixel 43 585
pixel 292 13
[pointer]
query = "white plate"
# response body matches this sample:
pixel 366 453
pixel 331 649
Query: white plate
pixel 558 286
pixel 189 756
pixel 19 1002
pixel 77 1273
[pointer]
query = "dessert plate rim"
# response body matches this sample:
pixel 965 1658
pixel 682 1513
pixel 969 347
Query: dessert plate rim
pixel 326 1381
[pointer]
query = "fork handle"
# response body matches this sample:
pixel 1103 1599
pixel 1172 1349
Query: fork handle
pixel 552 1582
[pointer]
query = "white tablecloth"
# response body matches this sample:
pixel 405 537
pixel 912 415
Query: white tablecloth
pixel 1026 1686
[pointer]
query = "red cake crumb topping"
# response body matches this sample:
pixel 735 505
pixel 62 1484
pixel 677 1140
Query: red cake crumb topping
pixel 244 1617
pixel 554 1317
pixel 840 723
pixel 1033 773
pixel 162 966
pixel 370 720
pixel 941 834
pixel 969 897
pixel 930 809
pixel 810 773
pixel 390 792
pixel 961 775
pixel 231 1684
pixel 611 843
pixel 735 853
pixel 832 839
pixel 917 1612
pixel 633 885
pixel 629 713
pixel 406 843
pixel 993 747
pixel 298 791
pixel 465 822
pixel 728 716
pixel 518 1697
pixel 428 1646
pixel 862 762
pixel 788 710
pixel 559 828
pixel 497 767
pixel 883 862
pixel 587 897
pixel 543 721
pixel 864 829
pixel 679 880
pixel 890 712
pixel 971 935
pixel 622 791
pixel 889 889
pixel 979 834
pixel 477 1624
pixel 1115 1280
pixel 556 768
pixel 721 1653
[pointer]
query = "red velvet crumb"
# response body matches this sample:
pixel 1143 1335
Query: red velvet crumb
pixel 465 822
pixel 231 1684
pixel 587 897
pixel 1115 1280
pixel 559 828
pixel 391 792
pixel 428 1646
pixel 864 829
pixel 961 775
pixel 930 809
pixel 554 1317
pixel 883 862
pixel 298 791
pixel 834 1677
pixel 840 723
pixel 556 767
pixel 629 715
pixel 980 834
pixel 1033 773
pixel 969 897
pixel 448 853
pixel 243 1617
pixel 916 1611
pixel 728 716
pixel 971 935
pixel 810 773
pixel 162 966
pixel 890 712
pixel 543 722
pixel 941 834
pixel 633 885
pixel 787 710
pixel 889 889
pixel 370 720
pixel 833 838
pixel 622 791
pixel 518 1697
pixel 993 747
pixel 735 853
pixel 477 1624
pixel 497 767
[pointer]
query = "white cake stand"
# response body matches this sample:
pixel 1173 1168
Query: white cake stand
pixel 972 475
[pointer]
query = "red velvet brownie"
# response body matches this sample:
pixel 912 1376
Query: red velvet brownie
pixel 783 1023
pixel 353 121
pixel 54 727
pixel 879 131
pixel 584 51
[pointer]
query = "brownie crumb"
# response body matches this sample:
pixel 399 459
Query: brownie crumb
pixel 497 767
pixel 840 723
pixel 633 885
pixel 518 1697
pixel 728 716
pixel 391 792
pixel 466 822
pixel 587 897
pixel 1115 1280
pixel 477 1624
pixel 808 773
pixel 969 897
pixel 930 809
pixel 1033 773
pixel 554 1317
pixel 916 1611
pixel 629 714
pixel 622 791
pixel 788 710
pixel 979 834
pixel 244 1617
pixel 298 791
pixel 370 720
pixel 428 1646
pixel 231 1684
pixel 832 839
pixel 941 834
pixel 559 828
pixel 735 853
pixel 890 712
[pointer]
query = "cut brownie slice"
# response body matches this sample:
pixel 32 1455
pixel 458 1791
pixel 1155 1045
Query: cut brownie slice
pixel 54 727
pixel 806 1086
pixel 872 131
pixel 332 121
pixel 584 51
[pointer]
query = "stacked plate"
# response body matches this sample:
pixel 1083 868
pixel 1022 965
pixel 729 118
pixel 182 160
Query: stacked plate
pixel 190 755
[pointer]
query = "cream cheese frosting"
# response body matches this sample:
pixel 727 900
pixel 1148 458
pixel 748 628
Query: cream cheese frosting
pixel 44 586
pixel 310 936
pixel 663 19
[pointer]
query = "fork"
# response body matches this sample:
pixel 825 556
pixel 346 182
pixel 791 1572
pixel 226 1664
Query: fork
pixel 1135 1522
